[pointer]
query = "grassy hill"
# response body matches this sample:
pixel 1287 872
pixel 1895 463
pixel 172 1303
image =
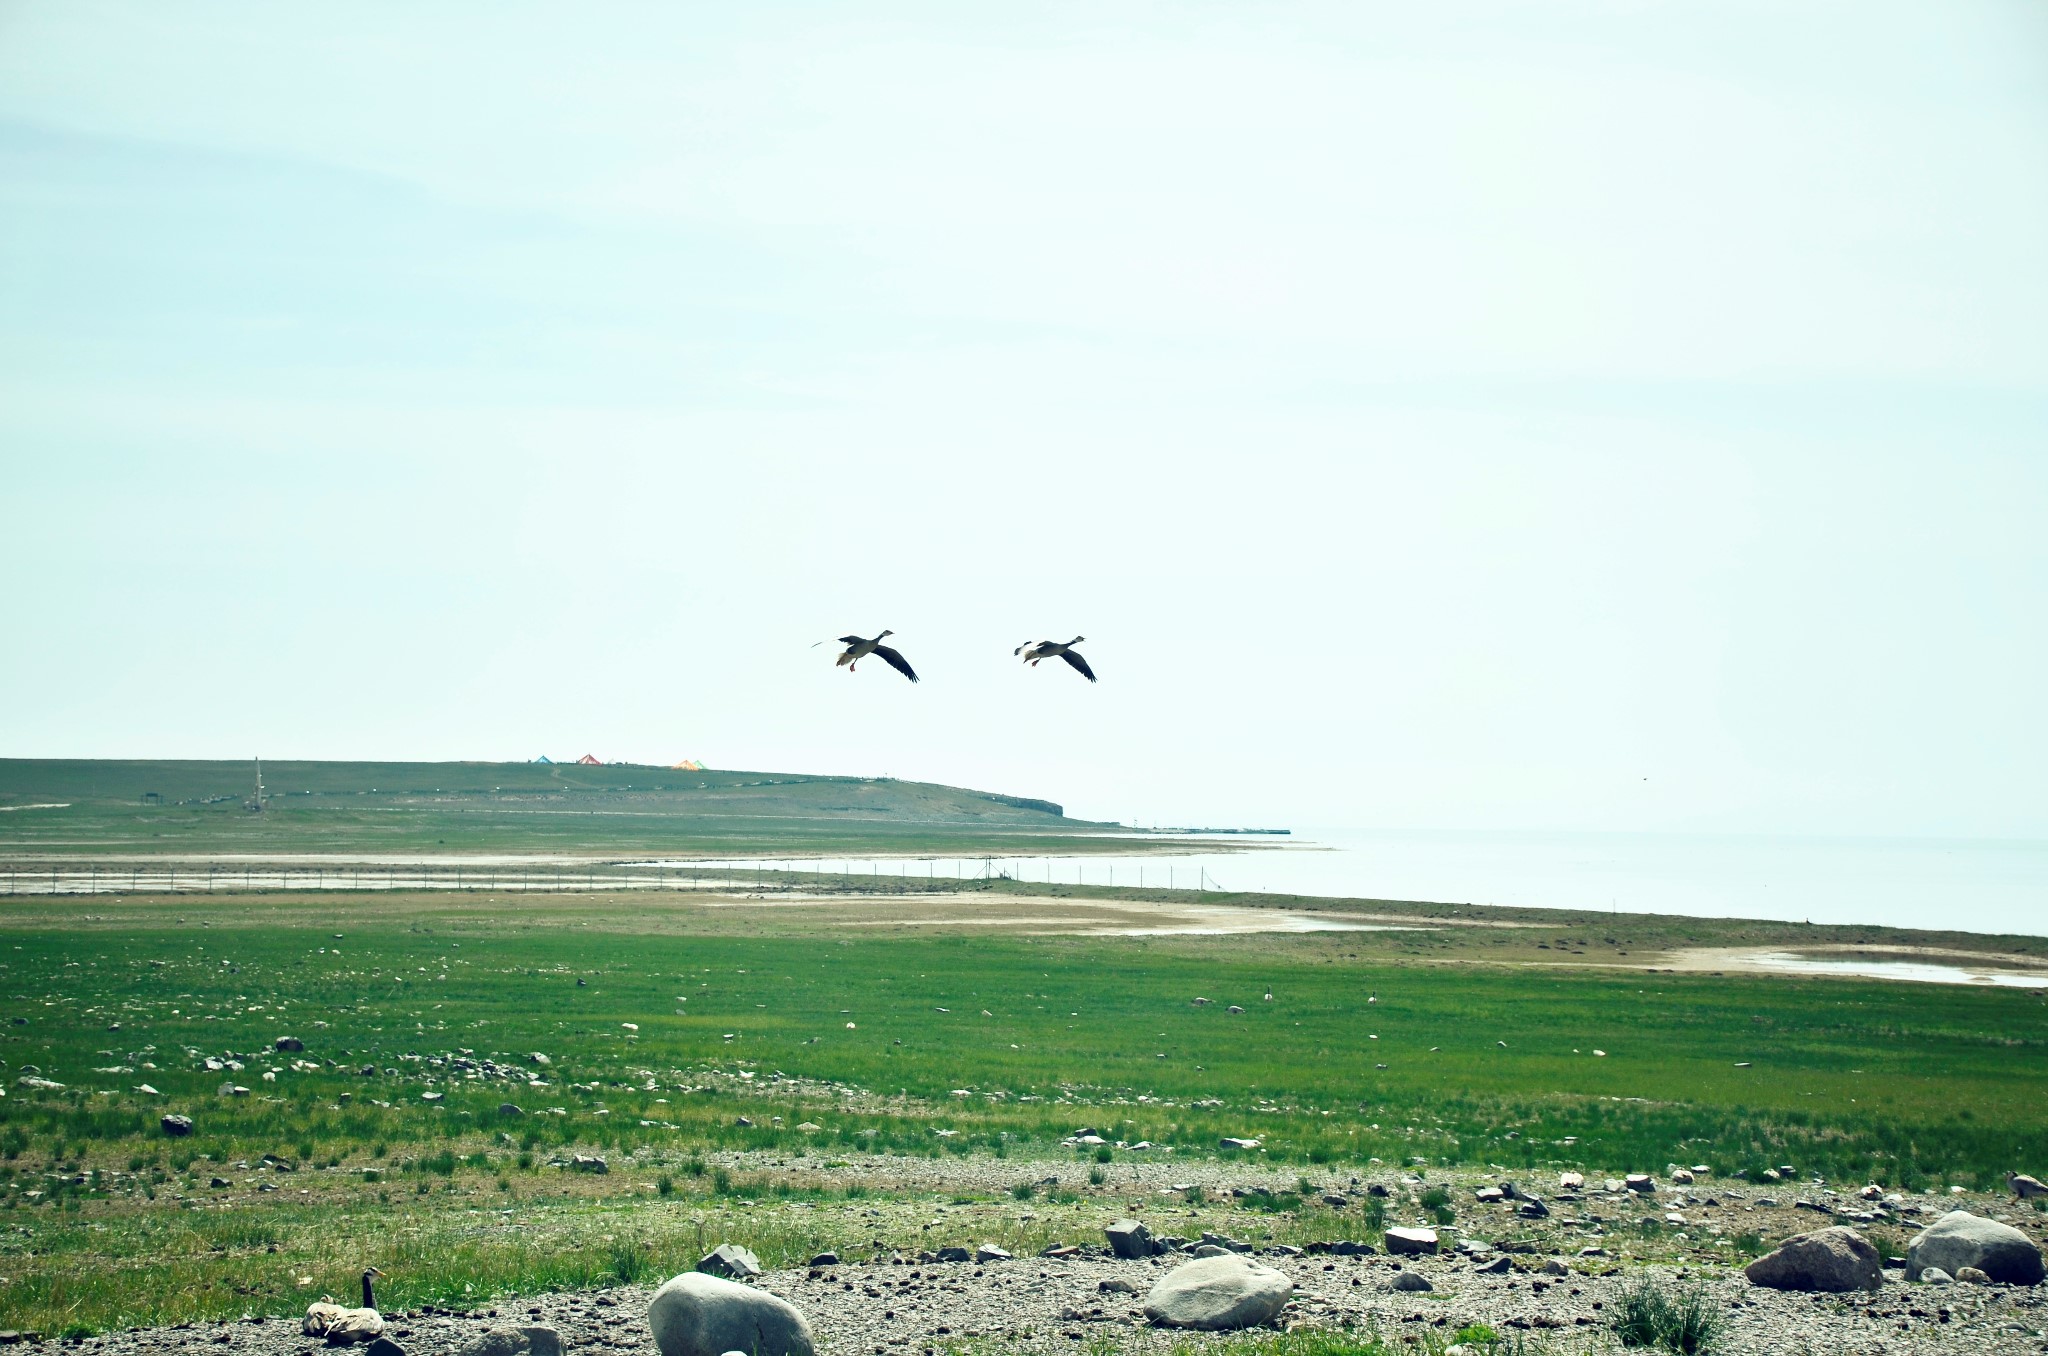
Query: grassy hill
pixel 94 806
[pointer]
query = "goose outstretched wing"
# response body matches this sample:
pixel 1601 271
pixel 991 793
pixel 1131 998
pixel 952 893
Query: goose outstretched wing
pixel 896 662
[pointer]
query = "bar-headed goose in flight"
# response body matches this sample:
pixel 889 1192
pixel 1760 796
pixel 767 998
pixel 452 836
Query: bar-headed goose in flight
pixel 1047 649
pixel 858 648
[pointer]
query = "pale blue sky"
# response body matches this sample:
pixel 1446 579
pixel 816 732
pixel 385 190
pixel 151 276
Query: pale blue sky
pixel 1622 415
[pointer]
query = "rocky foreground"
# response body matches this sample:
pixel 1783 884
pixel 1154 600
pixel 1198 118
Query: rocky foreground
pixel 1065 1304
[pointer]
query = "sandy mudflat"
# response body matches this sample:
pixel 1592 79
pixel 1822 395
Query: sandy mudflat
pixel 1922 964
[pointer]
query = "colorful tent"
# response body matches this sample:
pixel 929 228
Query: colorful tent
pixel 589 760
pixel 687 765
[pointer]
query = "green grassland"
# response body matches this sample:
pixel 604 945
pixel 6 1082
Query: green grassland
pixel 880 1037
pixel 566 808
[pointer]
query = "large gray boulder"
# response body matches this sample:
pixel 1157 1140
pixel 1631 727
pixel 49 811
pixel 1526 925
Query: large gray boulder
pixel 1960 1239
pixel 1218 1294
pixel 699 1315
pixel 1833 1259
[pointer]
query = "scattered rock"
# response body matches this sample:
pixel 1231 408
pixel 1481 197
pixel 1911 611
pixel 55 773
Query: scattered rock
pixel 1682 1176
pixel 1210 1250
pixel 1235 1142
pixel 1129 1239
pixel 1414 1280
pixel 176 1126
pixel 1218 1294
pixel 383 1346
pixel 730 1259
pixel 1833 1259
pixel 1116 1287
pixel 1960 1239
pixel 1641 1183
pixel 1411 1242
pixel 954 1255
pixel 290 1044
pixel 989 1252
pixel 2026 1187
pixel 1533 1209
pixel 1499 1266
pixel 1936 1276
pixel 699 1315
pixel 1554 1267
pixel 589 1163
pixel 1972 1276
pixel 825 1259
pixel 1571 1181
pixel 502 1339
pixel 509 1109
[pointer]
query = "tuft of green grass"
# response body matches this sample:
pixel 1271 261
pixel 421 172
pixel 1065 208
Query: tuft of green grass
pixel 1683 1319
pixel 1096 1177
pixel 629 1263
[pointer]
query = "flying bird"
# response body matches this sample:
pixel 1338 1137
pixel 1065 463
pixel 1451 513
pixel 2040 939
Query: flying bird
pixel 859 648
pixel 1047 649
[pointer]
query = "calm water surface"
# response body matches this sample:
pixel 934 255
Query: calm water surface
pixel 1971 885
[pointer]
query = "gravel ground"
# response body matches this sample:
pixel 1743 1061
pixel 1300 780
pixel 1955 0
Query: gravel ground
pixel 901 1307
pixel 1047 1305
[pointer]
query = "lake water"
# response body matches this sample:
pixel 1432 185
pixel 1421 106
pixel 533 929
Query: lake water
pixel 1971 885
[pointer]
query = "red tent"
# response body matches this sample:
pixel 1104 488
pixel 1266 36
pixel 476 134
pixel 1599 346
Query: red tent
pixel 590 759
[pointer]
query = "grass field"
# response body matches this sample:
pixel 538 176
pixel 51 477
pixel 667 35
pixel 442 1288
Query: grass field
pixel 664 1023
pixel 101 808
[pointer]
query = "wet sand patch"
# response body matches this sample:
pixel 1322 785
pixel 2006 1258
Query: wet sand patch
pixel 1908 964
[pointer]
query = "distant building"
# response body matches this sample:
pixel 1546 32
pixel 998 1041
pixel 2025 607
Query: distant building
pixel 589 760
